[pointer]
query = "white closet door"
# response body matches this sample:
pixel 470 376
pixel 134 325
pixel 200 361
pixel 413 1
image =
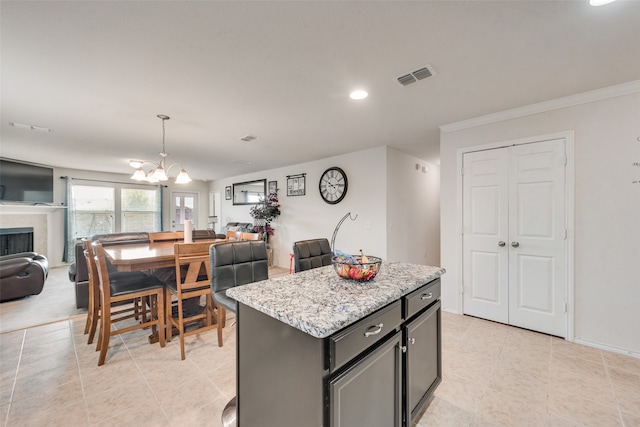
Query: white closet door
pixel 485 233
pixel 537 260
pixel 514 258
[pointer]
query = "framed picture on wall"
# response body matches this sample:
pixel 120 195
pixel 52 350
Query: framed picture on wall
pixel 273 186
pixel 296 185
pixel 227 193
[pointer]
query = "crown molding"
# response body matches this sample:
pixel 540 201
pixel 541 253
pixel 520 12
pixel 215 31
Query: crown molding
pixel 541 107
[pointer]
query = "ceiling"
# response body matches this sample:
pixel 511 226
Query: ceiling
pixel 98 72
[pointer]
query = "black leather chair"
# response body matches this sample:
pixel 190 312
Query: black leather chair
pixel 308 254
pixel 22 274
pixel 235 264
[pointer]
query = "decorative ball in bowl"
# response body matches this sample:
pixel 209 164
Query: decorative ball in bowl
pixel 353 267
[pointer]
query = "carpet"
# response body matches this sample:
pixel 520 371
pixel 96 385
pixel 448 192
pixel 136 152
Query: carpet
pixel 56 302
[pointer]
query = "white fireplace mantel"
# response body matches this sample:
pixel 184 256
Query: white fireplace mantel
pixel 48 227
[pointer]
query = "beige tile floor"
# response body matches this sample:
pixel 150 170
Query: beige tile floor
pixel 493 375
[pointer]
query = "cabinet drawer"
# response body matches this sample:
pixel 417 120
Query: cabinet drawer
pixel 421 298
pixel 346 344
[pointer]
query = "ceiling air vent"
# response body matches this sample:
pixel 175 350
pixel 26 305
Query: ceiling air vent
pixel 414 76
pixel 406 80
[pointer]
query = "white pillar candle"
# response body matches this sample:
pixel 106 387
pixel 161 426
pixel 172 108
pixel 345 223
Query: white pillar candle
pixel 188 231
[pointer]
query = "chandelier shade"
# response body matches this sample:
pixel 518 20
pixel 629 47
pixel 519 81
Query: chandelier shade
pixel 158 171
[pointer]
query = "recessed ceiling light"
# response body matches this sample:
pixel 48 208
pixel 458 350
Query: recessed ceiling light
pixel 600 2
pixel 358 94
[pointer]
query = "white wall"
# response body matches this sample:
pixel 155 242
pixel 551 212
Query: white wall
pixel 372 195
pixel 413 209
pixel 607 204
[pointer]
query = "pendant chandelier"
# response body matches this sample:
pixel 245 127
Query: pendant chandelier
pixel 159 170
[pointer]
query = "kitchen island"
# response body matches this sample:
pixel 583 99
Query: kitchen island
pixel 314 349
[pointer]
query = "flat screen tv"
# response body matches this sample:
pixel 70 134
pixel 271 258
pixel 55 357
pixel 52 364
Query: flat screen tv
pixel 25 182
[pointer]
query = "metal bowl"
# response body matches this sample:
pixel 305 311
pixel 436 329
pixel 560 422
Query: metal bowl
pixel 358 271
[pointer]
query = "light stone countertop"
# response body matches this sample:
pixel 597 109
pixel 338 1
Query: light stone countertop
pixel 320 303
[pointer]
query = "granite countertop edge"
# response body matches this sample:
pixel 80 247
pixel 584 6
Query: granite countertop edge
pixel 320 303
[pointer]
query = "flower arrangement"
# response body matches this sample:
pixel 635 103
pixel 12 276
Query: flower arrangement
pixel 265 212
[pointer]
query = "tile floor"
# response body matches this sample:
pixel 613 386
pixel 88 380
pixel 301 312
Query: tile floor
pixel 493 375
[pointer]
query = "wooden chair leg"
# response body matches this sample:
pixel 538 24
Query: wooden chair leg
pixel 160 316
pixel 168 314
pixel 181 327
pixel 94 314
pixel 87 324
pixel 105 335
pixel 222 313
pixel 209 309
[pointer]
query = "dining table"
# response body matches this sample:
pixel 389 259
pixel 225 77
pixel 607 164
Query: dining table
pixel 145 256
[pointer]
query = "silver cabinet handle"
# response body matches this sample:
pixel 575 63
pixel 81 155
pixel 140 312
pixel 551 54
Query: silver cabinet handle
pixel 501 244
pixel 427 296
pixel 376 331
pixel 412 340
pixel 515 244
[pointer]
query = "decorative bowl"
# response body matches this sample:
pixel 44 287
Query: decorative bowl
pixel 353 268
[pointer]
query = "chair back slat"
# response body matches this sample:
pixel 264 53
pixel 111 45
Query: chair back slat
pixel 166 236
pixel 250 236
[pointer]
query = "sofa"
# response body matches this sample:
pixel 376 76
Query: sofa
pixel 237 226
pixel 22 274
pixel 78 273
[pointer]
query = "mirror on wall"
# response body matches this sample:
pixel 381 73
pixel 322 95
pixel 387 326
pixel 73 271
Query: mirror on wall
pixel 250 192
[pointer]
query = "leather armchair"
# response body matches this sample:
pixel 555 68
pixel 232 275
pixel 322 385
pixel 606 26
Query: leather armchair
pixel 22 274
pixel 308 254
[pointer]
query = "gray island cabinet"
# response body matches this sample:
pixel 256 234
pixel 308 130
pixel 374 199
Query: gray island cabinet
pixel 314 349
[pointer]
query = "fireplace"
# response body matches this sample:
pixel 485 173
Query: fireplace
pixel 16 240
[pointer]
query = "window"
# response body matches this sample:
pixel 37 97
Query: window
pixel 93 210
pixel 140 210
pixel 105 207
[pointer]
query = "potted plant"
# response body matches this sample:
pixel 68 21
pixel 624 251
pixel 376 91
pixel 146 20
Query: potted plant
pixel 265 212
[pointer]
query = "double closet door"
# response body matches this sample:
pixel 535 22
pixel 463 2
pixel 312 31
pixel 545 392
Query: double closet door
pixel 514 235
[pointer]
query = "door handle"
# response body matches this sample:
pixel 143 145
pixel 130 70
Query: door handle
pixel 501 244
pixel 515 244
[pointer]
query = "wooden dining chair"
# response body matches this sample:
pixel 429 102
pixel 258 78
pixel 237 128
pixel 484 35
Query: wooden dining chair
pixel 232 236
pixel 113 293
pixel 93 308
pixel 192 281
pixel 166 236
pixel 250 236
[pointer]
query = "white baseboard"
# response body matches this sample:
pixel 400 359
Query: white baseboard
pixel 608 348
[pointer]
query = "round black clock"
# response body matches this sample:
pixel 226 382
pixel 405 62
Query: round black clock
pixel 333 185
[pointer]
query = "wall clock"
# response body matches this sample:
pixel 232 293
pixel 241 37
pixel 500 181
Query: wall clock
pixel 333 185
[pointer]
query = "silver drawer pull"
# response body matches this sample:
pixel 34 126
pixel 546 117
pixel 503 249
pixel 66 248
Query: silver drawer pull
pixel 376 331
pixel 427 296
